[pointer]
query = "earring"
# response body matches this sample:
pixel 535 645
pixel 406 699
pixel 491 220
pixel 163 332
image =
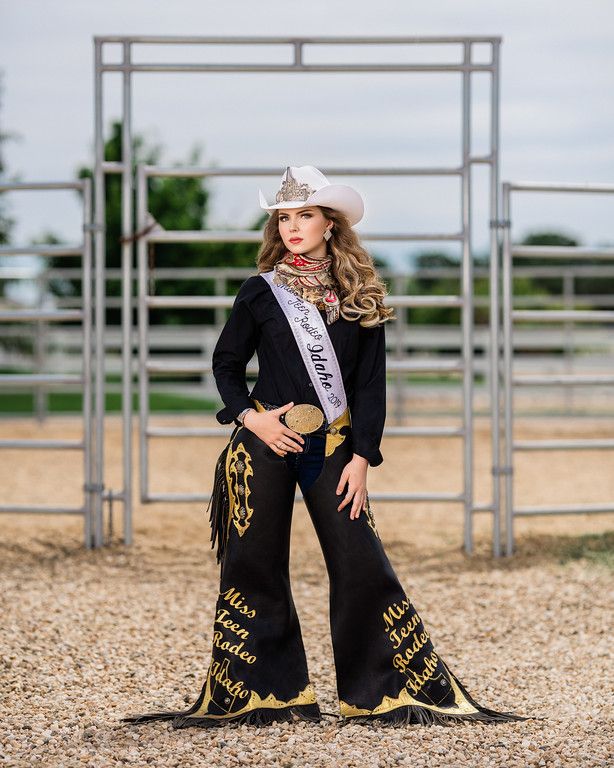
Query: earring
pixel 327 234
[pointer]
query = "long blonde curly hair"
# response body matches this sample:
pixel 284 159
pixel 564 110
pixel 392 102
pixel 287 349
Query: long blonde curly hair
pixel 361 290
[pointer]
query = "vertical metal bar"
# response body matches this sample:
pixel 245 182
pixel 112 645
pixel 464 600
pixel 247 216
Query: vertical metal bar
pixel 219 315
pixel 298 53
pixel 467 305
pixel 400 386
pixel 100 291
pixel 508 352
pixel 127 190
pixel 40 352
pixel 568 333
pixel 221 289
pixel 38 365
pixel 86 308
pixel 143 336
pixel 45 345
pixel 494 302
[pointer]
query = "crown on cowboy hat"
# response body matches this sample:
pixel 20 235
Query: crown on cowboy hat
pixel 305 185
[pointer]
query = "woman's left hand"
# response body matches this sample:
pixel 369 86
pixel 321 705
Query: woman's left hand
pixel 355 475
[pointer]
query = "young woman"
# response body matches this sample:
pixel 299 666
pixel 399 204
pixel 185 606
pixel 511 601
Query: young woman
pixel 315 316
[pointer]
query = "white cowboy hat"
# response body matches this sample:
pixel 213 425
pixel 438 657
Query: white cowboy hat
pixel 305 185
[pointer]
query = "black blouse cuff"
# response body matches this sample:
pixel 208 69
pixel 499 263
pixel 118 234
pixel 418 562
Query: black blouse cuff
pixel 230 412
pixel 374 457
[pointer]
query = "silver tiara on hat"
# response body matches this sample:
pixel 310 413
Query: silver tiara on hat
pixel 305 185
pixel 291 189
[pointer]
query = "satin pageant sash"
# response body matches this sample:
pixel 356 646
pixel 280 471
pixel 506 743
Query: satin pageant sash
pixel 315 346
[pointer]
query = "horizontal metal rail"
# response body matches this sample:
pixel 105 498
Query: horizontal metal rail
pixel 425 366
pixel 598 299
pixel 196 172
pixel 538 186
pixel 33 315
pixel 293 41
pixel 40 250
pixel 213 302
pixel 563 445
pixel 255 236
pixel 185 367
pixel 556 315
pixel 21 186
pixel 298 67
pixel 61 445
pixel 188 302
pixel 38 379
pixel 38 510
pixel 570 509
pixel 563 379
pixel 422 431
pixel 561 251
pixel 118 167
pixel 425 431
pixel 375 496
pixel 189 367
pixel 187 432
pixel 241 273
pixel 423 301
pixel 31 273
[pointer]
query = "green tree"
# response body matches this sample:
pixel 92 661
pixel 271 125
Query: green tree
pixel 176 203
pixel 546 285
pixel 554 285
pixel 444 286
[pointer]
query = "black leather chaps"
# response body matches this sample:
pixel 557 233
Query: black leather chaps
pixel 386 666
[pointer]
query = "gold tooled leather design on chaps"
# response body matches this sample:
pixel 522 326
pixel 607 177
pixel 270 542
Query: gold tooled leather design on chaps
pixel 387 669
pixel 239 470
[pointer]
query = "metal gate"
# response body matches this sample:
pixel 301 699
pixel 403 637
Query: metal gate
pixel 465 66
pixel 42 381
pixel 565 380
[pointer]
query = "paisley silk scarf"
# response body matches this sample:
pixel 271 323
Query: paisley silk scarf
pixel 310 278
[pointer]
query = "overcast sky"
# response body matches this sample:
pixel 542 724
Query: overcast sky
pixel 557 106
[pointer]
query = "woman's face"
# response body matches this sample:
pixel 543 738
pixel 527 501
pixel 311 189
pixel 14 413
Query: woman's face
pixel 302 230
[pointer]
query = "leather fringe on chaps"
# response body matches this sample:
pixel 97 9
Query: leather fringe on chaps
pixel 258 669
pixel 401 716
pixel 412 714
pixel 219 504
pixel 256 717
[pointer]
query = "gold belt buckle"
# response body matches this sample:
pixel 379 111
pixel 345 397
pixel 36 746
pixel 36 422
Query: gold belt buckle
pixel 304 418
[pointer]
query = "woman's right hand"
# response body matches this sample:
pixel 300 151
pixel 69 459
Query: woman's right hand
pixel 267 426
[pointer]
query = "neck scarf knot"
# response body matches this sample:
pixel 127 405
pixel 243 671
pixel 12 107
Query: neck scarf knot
pixel 311 279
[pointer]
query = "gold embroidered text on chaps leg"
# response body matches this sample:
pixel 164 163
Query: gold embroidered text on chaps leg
pixel 387 668
pixel 258 669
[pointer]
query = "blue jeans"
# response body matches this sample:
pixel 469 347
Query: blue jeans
pixel 307 464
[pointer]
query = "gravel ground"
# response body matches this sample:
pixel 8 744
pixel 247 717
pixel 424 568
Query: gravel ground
pixel 88 637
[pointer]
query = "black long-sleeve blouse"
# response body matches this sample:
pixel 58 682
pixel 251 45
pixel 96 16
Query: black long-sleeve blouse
pixel 257 324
